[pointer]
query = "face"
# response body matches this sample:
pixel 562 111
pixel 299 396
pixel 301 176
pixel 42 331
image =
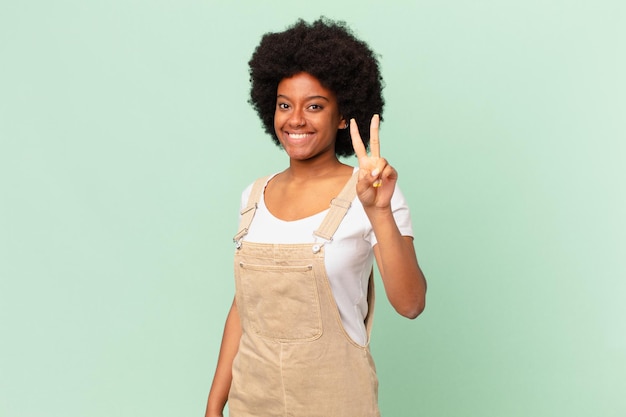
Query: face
pixel 306 117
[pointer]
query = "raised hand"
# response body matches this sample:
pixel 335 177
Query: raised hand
pixel 377 179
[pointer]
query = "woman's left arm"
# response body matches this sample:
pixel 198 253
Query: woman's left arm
pixel 402 277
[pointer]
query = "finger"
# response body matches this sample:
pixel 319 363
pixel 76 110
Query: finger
pixel 379 165
pixel 374 139
pixel 357 142
pixel 388 174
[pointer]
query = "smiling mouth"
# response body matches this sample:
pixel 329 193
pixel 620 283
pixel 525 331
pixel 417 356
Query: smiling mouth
pixel 299 135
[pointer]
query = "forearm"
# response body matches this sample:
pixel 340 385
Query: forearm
pixel 218 394
pixel 402 277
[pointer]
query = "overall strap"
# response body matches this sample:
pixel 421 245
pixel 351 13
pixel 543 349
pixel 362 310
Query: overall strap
pixel 247 214
pixel 338 208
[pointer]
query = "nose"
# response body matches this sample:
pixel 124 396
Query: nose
pixel 297 119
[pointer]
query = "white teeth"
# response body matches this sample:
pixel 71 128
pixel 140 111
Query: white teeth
pixel 298 135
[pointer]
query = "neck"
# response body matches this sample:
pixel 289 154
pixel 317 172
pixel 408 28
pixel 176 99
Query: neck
pixel 314 168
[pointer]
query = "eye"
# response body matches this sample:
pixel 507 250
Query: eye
pixel 283 106
pixel 315 107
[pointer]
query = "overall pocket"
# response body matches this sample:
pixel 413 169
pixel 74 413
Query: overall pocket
pixel 281 302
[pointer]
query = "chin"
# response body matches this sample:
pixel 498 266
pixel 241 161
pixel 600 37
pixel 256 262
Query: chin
pixel 299 157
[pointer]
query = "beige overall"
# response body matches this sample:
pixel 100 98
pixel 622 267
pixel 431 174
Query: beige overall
pixel 295 358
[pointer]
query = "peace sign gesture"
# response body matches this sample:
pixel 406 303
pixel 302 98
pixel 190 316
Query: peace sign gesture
pixel 377 179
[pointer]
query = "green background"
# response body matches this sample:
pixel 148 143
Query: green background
pixel 126 140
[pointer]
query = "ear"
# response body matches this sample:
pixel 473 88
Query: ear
pixel 343 123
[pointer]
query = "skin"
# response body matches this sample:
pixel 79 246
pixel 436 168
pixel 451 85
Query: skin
pixel 306 121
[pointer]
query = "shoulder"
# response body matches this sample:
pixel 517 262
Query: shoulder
pixel 259 182
pixel 398 199
pixel 399 209
pixel 398 203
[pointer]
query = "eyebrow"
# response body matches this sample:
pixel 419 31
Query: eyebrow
pixel 308 98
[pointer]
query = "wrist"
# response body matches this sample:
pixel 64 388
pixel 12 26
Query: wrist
pixel 215 407
pixel 214 412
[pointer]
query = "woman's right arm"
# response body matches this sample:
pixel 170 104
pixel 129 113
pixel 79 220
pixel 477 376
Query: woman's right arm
pixel 223 374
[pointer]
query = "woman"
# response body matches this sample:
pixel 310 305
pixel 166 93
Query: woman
pixel 296 338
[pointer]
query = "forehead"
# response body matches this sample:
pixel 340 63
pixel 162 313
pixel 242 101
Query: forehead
pixel 303 84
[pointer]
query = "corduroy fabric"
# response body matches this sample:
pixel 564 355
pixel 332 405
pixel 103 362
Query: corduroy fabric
pixel 295 358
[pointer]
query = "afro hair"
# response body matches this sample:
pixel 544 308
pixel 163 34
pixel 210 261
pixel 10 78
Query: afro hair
pixel 330 52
